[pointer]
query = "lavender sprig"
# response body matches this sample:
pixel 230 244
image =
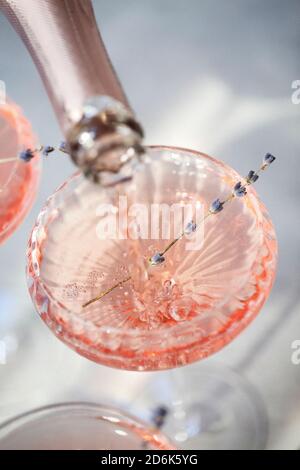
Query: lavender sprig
pixel 239 190
pixel 26 155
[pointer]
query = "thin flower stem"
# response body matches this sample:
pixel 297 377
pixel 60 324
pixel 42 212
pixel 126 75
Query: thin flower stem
pixel 238 190
pixel 8 160
pixel 106 292
pixel 28 154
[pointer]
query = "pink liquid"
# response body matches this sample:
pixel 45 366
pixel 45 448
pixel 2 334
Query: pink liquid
pixel 79 427
pixel 179 312
pixel 18 180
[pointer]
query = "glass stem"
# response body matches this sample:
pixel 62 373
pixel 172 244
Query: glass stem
pixel 178 405
pixel 64 41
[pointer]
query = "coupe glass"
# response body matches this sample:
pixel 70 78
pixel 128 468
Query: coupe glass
pixel 191 306
pixel 187 308
pixel 18 187
pixel 79 426
pixel 18 179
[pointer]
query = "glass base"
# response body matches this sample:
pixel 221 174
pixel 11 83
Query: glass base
pixel 207 407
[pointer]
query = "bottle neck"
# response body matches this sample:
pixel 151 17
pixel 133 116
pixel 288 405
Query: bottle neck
pixel 64 41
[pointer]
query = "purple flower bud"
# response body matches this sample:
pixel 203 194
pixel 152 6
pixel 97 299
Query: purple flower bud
pixel 26 155
pixel 191 227
pixel 239 190
pixel 63 147
pixel 268 159
pixel 156 259
pixel 216 206
pixel 48 149
pixel 252 177
pixel 159 416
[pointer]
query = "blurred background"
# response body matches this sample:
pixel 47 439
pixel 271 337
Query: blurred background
pixel 203 74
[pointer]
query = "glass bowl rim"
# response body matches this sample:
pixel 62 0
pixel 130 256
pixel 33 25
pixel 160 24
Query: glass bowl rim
pixel 34 414
pixel 36 163
pixel 181 327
